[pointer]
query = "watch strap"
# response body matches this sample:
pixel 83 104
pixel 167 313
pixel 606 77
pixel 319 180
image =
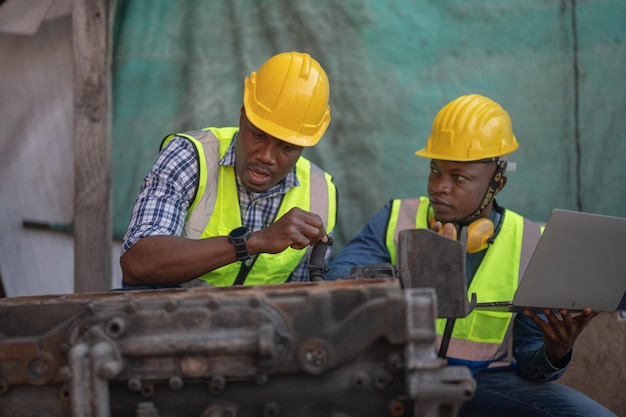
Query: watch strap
pixel 238 237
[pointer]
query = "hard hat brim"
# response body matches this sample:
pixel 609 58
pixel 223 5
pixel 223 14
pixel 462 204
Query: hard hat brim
pixel 288 135
pixel 495 153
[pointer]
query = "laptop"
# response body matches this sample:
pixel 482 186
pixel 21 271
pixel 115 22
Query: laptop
pixel 579 261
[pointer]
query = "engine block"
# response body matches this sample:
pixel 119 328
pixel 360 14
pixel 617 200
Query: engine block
pixel 347 348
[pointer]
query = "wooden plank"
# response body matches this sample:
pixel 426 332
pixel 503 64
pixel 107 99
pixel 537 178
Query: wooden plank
pixel 93 231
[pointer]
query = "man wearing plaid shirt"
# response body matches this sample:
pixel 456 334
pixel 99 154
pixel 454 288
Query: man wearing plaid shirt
pixel 239 205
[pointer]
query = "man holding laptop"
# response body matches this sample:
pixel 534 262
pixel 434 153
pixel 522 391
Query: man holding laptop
pixel 470 139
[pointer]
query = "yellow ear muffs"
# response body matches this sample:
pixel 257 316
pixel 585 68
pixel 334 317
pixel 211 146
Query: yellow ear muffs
pixel 478 233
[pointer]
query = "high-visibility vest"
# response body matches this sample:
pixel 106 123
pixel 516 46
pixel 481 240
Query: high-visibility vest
pixel 215 209
pixel 482 335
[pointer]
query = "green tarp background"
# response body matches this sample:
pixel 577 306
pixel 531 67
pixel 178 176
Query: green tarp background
pixel 557 67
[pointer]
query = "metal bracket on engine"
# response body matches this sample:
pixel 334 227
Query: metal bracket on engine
pixel 430 383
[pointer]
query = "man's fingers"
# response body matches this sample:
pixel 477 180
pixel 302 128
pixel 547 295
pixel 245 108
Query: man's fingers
pixel 543 325
pixel 567 317
pixel 583 319
pixel 449 230
pixel 552 318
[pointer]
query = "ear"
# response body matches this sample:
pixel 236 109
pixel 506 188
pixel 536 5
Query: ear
pixel 242 114
pixel 501 184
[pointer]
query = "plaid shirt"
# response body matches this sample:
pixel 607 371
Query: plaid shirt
pixel 168 191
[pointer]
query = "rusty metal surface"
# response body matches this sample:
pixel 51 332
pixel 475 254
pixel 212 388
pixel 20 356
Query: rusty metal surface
pixel 428 259
pixel 344 348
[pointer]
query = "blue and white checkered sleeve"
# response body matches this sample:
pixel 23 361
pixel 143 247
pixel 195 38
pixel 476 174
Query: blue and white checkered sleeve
pixel 165 195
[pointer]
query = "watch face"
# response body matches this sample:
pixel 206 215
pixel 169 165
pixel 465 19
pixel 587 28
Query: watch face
pixel 238 232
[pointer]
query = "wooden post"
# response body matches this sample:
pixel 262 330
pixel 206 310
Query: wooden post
pixel 93 225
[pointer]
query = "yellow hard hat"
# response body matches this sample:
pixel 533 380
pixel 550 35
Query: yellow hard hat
pixel 470 128
pixel 288 98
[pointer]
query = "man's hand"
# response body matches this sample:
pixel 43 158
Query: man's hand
pixel 296 229
pixel 448 229
pixel 559 335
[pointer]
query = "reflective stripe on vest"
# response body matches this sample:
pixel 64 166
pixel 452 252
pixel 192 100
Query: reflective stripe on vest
pixel 404 215
pixel 481 336
pixel 215 210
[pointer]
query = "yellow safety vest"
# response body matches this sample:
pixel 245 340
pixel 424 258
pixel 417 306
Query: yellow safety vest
pixel 482 335
pixel 215 209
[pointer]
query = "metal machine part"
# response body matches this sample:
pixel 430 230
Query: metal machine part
pixel 428 259
pixel 361 346
pixel 317 265
pixel 344 348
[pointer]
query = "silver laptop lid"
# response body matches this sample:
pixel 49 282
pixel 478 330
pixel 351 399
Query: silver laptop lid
pixel 580 261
